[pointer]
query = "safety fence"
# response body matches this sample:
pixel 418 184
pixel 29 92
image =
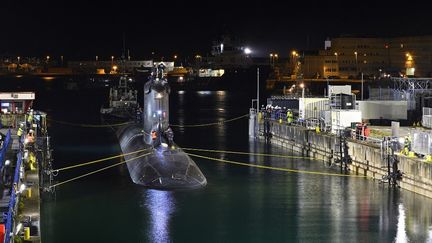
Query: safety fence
pixel 13 199
pixel 280 116
pixel 4 148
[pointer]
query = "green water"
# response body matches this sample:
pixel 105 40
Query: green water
pixel 239 204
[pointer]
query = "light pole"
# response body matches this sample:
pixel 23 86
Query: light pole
pixel 356 62
pixel 337 64
pixel 271 59
pixel 112 61
pixel 18 58
pixel 362 86
pixel 258 107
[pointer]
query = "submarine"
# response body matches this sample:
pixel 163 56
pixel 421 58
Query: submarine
pixel 160 163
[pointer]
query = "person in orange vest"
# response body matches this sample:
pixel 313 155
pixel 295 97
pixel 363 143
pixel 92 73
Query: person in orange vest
pixel 153 135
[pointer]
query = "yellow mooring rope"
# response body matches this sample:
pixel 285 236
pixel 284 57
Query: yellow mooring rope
pixel 98 160
pixel 248 153
pixel 211 124
pixel 90 125
pixel 274 168
pixel 96 171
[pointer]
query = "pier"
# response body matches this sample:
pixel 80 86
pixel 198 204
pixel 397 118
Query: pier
pixel 367 155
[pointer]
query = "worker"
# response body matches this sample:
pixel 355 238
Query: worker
pixel 289 116
pixel 169 137
pixel 20 130
pixel 30 136
pixel 30 119
pixel 153 135
pixel 407 146
pixel 32 161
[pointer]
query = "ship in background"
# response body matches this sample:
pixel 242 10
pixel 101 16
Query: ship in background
pixel 230 66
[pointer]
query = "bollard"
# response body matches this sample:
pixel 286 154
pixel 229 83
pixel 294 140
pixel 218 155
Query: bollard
pixel 26 233
pixel 29 192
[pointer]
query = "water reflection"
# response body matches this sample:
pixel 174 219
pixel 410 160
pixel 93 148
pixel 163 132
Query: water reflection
pixel 161 205
pixel 401 235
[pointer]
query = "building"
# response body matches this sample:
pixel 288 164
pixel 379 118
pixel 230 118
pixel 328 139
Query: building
pixel 113 66
pixel 349 57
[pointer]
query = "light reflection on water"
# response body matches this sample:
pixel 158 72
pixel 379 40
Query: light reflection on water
pixel 161 205
pixel 240 204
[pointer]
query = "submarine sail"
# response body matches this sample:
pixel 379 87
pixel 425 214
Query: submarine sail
pixel 166 167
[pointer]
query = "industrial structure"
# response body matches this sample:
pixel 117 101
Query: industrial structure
pixel 348 57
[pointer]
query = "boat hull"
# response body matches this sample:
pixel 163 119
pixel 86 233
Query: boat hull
pixel 162 167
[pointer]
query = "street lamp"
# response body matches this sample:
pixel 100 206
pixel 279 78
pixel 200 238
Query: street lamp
pixel 47 58
pixel 302 87
pixel 271 59
pixel 96 58
pixel 337 64
pixel 18 58
pixel 276 57
pixel 356 62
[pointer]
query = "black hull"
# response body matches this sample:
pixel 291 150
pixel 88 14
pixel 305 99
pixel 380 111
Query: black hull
pixel 163 168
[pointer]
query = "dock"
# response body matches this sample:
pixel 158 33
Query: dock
pixel 23 157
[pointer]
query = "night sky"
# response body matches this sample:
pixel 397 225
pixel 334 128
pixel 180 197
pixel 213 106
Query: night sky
pixel 83 29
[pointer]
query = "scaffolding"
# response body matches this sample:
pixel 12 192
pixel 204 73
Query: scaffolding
pixel 410 89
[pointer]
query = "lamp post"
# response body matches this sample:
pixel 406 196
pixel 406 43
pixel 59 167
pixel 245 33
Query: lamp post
pixel 271 59
pixel 18 58
pixel 356 62
pixel 258 107
pixel 362 86
pixel 112 61
pixel 337 64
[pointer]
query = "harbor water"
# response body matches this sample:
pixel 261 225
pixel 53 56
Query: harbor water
pixel 239 204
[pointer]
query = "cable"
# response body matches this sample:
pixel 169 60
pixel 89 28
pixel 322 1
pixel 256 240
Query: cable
pixel 98 160
pixel 89 125
pixel 211 124
pixel 96 171
pixel 275 168
pixel 247 153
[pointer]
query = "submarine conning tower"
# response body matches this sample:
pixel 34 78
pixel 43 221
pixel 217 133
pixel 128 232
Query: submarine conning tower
pixel 156 105
pixel 162 165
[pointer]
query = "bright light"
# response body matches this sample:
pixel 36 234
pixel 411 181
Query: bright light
pixel 302 85
pixel 159 95
pixel 159 112
pixel 18 228
pixel 335 53
pixel 114 68
pixel 271 54
pixel 247 51
pixel 294 53
pixel 181 78
pixel 7 162
pixel 22 188
pixel 175 56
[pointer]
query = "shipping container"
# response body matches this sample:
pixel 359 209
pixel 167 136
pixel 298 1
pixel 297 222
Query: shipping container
pixel 341 119
pixel 311 107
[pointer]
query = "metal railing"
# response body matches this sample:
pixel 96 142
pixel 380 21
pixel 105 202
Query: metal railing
pixel 13 199
pixel 280 116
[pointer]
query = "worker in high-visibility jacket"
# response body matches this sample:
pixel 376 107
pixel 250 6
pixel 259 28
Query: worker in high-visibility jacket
pixel 289 116
pixel 20 130
pixel 30 119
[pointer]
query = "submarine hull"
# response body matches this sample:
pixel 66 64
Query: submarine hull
pixel 163 168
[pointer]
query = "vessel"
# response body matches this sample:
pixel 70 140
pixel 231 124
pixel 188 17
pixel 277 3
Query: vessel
pixel 160 163
pixel 228 67
pixel 123 101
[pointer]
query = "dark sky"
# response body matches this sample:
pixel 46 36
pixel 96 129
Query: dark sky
pixel 83 29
